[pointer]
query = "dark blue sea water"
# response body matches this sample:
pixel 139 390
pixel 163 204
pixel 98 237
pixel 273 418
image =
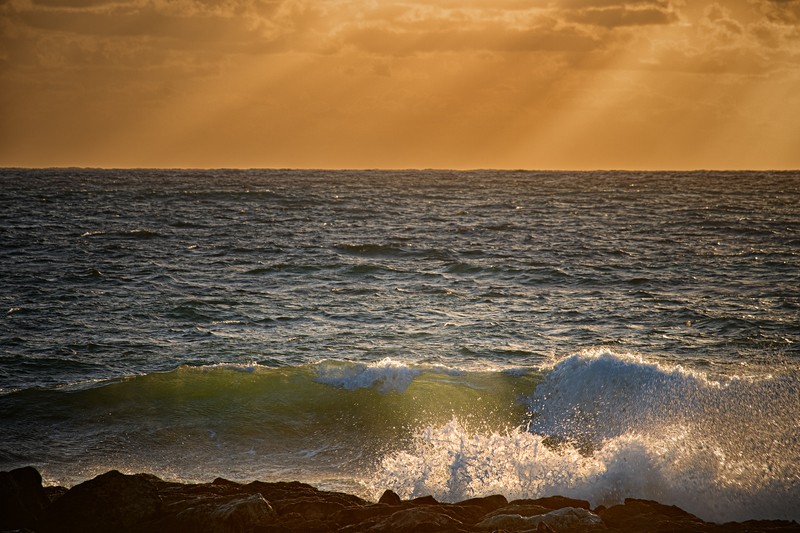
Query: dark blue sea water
pixel 592 334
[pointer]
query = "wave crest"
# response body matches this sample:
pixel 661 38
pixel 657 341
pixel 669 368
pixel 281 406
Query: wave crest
pixel 606 426
pixel 453 463
pixel 388 375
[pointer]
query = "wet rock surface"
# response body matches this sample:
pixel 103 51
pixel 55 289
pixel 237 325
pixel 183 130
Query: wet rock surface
pixel 121 503
pixel 22 498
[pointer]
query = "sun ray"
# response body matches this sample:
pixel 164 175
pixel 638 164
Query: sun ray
pixel 550 84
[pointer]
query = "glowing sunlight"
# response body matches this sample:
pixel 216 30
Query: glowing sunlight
pixel 561 84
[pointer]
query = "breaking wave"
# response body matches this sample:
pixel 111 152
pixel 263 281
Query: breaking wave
pixel 604 427
pixel 596 425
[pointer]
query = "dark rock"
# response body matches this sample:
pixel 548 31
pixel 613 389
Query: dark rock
pixel 120 503
pixel 23 500
pixel 544 528
pixel 415 520
pixel 281 490
pixel 216 507
pixel 292 490
pixel 295 523
pixel 761 526
pixel 424 500
pixel 222 482
pixel 555 502
pixel 55 492
pixel 653 507
pixel 390 497
pixel 218 487
pixel 358 515
pixel 467 514
pixel 488 503
pixel 219 514
pixel 520 509
pixel 310 508
pixel 109 502
pixel 573 519
pixel 473 510
pixel 646 515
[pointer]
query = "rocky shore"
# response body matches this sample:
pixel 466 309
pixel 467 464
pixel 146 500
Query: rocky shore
pixel 123 503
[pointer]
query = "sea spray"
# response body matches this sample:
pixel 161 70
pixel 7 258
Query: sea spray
pixel 606 426
pixel 598 394
pixel 596 425
pixel 328 420
pixel 387 375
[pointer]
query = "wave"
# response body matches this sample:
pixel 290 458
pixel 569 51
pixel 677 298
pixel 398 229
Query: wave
pixel 387 375
pixel 596 425
pixel 249 421
pixel 372 250
pixel 288 268
pixel 125 234
pixel 605 426
pixel 395 251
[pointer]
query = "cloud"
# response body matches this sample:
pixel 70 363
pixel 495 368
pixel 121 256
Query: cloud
pixel 80 32
pixel 146 23
pixel 581 4
pixel 387 41
pixel 408 81
pixel 615 16
pixel 75 4
pixel 388 28
pixel 782 11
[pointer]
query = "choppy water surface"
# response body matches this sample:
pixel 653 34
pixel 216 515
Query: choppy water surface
pixel 455 333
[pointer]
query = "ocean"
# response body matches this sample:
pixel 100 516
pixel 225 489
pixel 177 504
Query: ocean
pixel 598 335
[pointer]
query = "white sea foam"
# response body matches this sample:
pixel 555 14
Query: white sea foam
pixel 606 427
pixel 452 464
pixel 599 394
pixel 388 375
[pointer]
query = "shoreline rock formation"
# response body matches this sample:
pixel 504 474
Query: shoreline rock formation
pixel 123 503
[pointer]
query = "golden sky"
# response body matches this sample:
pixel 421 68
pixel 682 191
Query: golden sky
pixel 538 84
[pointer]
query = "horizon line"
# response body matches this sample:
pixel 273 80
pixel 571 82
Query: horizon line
pixel 396 169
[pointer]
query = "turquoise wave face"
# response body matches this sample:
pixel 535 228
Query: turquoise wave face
pixel 330 418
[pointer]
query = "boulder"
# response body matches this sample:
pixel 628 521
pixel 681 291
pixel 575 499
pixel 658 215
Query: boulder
pixel 761 526
pixel 295 523
pixel 573 519
pixel 55 492
pixel 520 509
pixel 110 502
pixel 555 502
pixel 358 515
pixel 119 503
pixel 510 522
pixel 275 492
pixel 487 503
pixel 220 514
pixel 646 515
pixel 415 520
pixel 23 500
pixel 424 500
pixel 310 508
pixel 468 514
pixel 390 497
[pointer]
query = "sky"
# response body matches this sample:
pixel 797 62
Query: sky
pixel 537 84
